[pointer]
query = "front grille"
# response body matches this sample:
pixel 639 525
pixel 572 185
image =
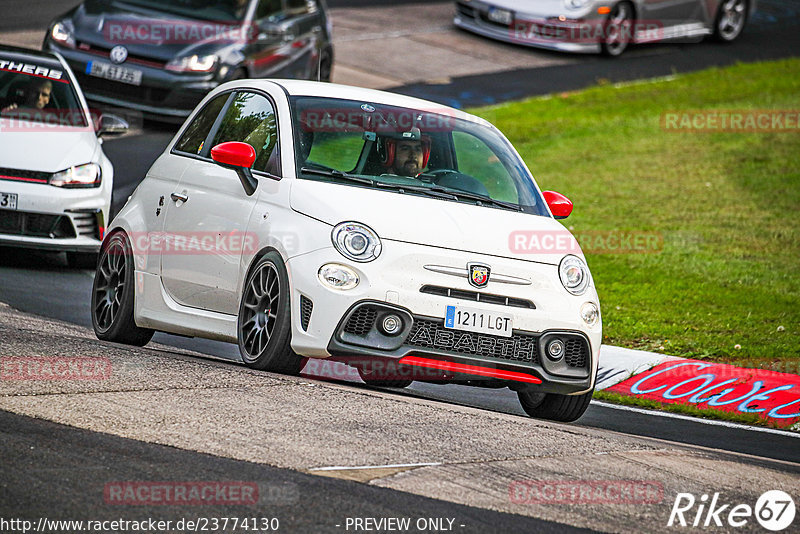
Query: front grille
pixel 432 334
pixel 132 58
pixel 22 175
pixel 477 297
pixel 306 306
pixel 122 91
pixel 577 352
pixel 465 10
pixel 35 225
pixel 362 321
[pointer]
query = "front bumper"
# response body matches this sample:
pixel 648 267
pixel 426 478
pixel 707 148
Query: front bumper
pixel 538 31
pixel 51 218
pixel 322 316
pixel 161 94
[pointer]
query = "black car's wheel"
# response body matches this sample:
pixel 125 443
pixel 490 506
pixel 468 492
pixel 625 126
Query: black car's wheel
pixel 82 260
pixel 382 381
pixel 730 21
pixel 555 407
pixel 618 30
pixel 264 327
pixel 113 295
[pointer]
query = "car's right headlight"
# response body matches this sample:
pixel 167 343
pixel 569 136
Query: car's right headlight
pixel 356 241
pixel 63 33
pixel 574 274
pixel 576 4
pixel 193 63
pixel 87 175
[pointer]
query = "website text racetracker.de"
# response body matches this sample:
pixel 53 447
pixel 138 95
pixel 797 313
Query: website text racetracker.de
pixel 250 525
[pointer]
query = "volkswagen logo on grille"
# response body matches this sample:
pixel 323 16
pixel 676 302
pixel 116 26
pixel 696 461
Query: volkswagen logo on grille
pixel 478 274
pixel 118 54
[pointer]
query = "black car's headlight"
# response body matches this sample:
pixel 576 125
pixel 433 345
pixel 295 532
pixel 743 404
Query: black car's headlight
pixel 63 33
pixel 193 63
pixel 87 175
pixel 356 241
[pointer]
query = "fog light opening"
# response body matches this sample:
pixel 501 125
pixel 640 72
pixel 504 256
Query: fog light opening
pixel 555 349
pixel 391 324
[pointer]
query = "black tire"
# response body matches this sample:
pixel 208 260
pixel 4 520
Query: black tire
pixel 731 20
pixel 617 30
pixel 264 328
pixel 554 407
pixel 82 260
pixel 371 379
pixel 113 295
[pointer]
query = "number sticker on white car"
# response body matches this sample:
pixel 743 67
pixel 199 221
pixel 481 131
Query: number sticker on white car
pixel 481 321
pixel 8 201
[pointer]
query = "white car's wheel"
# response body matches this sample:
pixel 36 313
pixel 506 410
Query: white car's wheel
pixel 730 21
pixel 264 326
pixel 555 407
pixel 618 30
pixel 113 295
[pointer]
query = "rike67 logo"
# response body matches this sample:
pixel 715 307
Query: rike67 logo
pixel 774 510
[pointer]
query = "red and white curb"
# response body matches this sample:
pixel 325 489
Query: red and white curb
pixel 669 380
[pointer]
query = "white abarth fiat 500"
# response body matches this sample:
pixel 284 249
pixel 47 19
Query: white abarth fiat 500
pixel 404 238
pixel 55 180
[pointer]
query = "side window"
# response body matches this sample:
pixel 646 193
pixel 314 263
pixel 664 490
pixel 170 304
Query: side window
pixel 476 159
pixel 192 139
pixel 268 8
pixel 251 119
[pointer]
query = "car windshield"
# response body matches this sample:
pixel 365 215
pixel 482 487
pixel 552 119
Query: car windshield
pixel 217 10
pixel 38 92
pixel 410 151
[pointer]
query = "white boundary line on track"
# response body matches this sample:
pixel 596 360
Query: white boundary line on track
pixel 786 433
pixel 343 468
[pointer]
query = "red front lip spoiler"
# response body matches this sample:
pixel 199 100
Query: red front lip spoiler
pixel 469 369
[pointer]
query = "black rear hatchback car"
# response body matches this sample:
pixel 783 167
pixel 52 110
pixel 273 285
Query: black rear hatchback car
pixel 161 57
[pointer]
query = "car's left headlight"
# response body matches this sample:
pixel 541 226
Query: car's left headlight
pixel 193 63
pixel 356 241
pixel 87 175
pixel 576 4
pixel 63 33
pixel 574 274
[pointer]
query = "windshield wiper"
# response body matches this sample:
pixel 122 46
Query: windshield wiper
pixel 432 192
pixel 481 199
pixel 337 174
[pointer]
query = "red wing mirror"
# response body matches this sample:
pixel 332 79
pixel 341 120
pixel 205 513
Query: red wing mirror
pixel 559 205
pixel 239 157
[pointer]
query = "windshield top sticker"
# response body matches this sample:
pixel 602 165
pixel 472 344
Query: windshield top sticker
pixel 34 70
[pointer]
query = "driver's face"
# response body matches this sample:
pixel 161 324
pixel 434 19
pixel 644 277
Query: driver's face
pixel 41 95
pixel 408 159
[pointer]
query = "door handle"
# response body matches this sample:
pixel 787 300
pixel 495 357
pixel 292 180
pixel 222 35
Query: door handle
pixel 179 197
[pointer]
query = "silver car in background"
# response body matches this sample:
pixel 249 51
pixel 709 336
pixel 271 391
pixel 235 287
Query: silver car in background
pixel 592 26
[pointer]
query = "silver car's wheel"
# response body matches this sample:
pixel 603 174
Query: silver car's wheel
pixel 617 32
pixel 731 19
pixel 264 326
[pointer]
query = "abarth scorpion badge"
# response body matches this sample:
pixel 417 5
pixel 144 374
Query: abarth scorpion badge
pixel 478 274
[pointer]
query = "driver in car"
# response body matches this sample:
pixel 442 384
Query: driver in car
pixel 408 154
pixel 37 95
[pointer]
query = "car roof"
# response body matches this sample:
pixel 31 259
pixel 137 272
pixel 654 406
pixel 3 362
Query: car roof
pixel 26 54
pixel 347 92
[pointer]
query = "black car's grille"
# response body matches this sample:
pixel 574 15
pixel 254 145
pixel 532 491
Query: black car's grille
pixel 361 322
pixel 122 91
pixel 35 225
pixel 577 353
pixel 477 297
pixel 21 175
pixel 132 58
pixel 432 334
pixel 306 307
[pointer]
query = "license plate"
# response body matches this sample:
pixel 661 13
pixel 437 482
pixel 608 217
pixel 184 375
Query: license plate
pixel 480 321
pixel 114 72
pixel 501 16
pixel 8 201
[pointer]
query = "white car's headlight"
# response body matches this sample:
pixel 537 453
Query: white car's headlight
pixel 590 313
pixel 87 175
pixel 576 4
pixel 62 33
pixel 338 276
pixel 356 241
pixel 574 274
pixel 193 64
